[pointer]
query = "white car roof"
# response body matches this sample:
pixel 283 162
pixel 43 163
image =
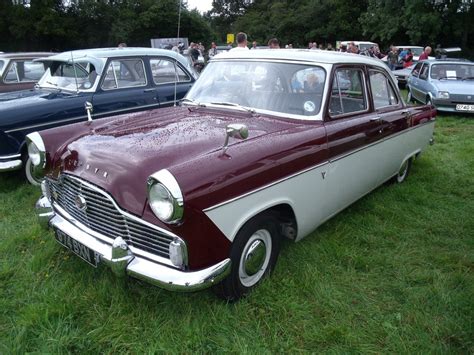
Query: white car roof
pixel 301 55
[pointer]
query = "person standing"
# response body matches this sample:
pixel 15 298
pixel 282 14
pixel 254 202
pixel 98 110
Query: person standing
pixel 241 42
pixel 425 53
pixel 254 45
pixel 213 50
pixel 392 58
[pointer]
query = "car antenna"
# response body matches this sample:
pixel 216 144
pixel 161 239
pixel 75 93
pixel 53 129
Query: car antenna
pixel 75 73
pixel 175 69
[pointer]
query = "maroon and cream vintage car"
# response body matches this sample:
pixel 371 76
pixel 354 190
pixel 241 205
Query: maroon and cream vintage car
pixel 267 145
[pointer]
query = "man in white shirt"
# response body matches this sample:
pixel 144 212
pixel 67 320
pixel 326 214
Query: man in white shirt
pixel 241 42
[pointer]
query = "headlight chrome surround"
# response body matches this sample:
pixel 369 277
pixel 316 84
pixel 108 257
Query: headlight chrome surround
pixel 36 151
pixel 165 193
pixel 443 95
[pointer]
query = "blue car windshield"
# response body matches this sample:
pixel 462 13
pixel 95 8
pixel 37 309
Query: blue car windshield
pixel 449 71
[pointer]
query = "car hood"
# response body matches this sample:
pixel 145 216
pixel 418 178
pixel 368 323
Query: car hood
pixel 25 96
pixel 120 154
pixel 458 87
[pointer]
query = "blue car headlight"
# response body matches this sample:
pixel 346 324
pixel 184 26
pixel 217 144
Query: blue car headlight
pixel 443 95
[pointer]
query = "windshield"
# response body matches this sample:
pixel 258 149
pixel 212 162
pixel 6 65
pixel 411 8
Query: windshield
pixel 65 76
pixel 262 86
pixel 452 71
pixel 416 51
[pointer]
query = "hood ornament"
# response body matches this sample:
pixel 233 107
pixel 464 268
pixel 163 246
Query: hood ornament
pixel 234 130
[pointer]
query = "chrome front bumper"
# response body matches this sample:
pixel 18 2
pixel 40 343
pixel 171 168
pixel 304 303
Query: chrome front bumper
pixel 10 162
pixel 122 261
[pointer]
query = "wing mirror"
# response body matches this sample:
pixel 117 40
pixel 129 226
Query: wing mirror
pixel 235 130
pixel 89 108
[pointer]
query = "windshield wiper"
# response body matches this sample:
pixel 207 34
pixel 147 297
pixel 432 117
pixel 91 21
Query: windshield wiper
pixel 233 104
pixel 468 78
pixel 191 102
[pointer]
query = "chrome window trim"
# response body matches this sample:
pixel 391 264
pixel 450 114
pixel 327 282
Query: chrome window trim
pixel 331 160
pixel 323 65
pixel 175 64
pixel 115 76
pixel 390 84
pixel 364 83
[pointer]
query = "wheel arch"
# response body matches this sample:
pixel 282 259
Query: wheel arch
pixel 282 209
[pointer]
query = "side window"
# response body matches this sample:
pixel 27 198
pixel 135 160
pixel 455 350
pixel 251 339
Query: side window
pixel 382 91
pixel 424 72
pixel 348 92
pixel 166 71
pixel 124 73
pixel 24 71
pixel 416 69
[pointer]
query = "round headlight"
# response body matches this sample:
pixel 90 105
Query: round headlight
pixel 161 202
pixel 165 197
pixel 34 154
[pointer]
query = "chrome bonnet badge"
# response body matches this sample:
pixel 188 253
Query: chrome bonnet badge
pixel 80 202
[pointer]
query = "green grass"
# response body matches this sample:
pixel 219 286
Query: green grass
pixel 393 273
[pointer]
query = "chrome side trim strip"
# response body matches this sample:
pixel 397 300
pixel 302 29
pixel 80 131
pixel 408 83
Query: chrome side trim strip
pixel 47 124
pixel 9 157
pixel 312 168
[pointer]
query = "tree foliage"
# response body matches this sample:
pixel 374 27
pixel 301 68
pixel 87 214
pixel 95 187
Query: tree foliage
pixel 50 25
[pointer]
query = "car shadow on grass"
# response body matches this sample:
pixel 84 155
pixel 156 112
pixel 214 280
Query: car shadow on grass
pixel 11 181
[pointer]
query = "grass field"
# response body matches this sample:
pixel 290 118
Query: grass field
pixel 391 274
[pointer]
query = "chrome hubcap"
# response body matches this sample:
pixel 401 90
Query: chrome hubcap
pixel 253 260
pixel 403 171
pixel 255 257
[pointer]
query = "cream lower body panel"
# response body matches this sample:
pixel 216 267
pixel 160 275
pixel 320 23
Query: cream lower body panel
pixel 319 193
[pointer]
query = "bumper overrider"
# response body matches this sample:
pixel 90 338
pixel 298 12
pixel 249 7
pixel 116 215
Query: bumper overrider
pixel 122 261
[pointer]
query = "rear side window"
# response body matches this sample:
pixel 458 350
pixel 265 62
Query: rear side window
pixel 424 72
pixel 382 91
pixel 24 71
pixel 124 73
pixel 166 71
pixel 348 92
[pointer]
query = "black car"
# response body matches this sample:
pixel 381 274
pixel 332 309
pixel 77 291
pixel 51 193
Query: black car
pixel 110 80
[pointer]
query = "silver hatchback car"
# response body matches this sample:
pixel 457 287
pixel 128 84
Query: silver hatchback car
pixel 446 84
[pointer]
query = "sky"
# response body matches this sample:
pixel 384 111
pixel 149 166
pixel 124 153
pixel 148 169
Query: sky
pixel 201 5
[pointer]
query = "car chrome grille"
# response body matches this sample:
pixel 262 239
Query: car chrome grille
pixel 102 216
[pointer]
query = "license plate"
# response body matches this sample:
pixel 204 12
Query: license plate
pixel 461 107
pixel 85 253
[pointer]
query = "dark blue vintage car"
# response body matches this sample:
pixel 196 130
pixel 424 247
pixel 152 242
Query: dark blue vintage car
pixel 113 80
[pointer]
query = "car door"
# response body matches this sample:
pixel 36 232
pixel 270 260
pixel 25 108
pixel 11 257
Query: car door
pixel 171 80
pixel 413 81
pixel 351 127
pixel 422 83
pixel 392 117
pixel 124 87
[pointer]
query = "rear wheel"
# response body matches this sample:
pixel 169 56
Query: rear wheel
pixel 403 172
pixel 253 255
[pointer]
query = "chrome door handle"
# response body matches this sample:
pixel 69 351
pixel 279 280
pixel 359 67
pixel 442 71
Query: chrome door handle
pixel 149 90
pixel 376 119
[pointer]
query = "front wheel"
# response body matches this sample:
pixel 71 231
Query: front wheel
pixel 29 173
pixel 253 255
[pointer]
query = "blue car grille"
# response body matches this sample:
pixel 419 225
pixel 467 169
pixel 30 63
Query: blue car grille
pixel 462 98
pixel 104 217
